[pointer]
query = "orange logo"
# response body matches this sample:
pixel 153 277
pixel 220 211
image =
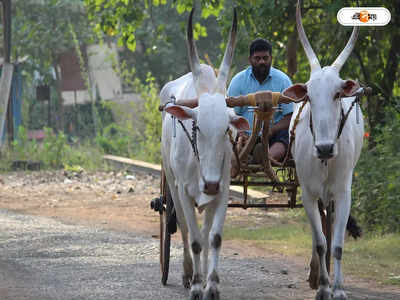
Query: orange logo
pixel 364 16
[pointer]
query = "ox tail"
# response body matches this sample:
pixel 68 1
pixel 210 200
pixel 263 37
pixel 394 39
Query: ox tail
pixel 172 223
pixel 353 228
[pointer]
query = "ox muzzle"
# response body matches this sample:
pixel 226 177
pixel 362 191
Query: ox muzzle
pixel 325 151
pixel 211 188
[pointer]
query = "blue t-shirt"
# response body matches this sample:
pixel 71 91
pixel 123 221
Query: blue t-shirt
pixel 245 82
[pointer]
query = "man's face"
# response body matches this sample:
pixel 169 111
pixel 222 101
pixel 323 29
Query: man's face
pixel 261 62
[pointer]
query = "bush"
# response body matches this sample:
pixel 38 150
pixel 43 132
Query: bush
pixel 54 149
pixel 53 153
pixel 115 140
pixel 376 187
pixel 150 141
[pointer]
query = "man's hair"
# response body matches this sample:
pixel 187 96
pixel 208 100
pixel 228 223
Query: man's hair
pixel 260 44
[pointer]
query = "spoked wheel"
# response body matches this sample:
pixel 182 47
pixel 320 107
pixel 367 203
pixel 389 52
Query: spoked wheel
pixel 165 235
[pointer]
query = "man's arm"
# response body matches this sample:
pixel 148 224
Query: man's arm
pixel 234 91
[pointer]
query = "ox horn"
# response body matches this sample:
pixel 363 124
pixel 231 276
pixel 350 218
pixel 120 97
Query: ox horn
pixel 344 55
pixel 194 60
pixel 312 58
pixel 227 60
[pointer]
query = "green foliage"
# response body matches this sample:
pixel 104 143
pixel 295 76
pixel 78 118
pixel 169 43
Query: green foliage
pixel 115 140
pixel 23 148
pixel 83 156
pixel 41 32
pixel 376 188
pixel 151 117
pixel 54 149
pixel 137 132
pixel 53 152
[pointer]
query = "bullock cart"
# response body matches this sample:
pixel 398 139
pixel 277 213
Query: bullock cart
pixel 250 171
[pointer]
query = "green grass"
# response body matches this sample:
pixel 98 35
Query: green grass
pixel 83 156
pixel 373 257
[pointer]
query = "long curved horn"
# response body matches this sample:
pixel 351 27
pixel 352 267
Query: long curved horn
pixel 344 55
pixel 194 60
pixel 227 60
pixel 312 58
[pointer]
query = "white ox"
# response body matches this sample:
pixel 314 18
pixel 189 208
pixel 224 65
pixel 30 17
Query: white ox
pixel 204 179
pixel 324 161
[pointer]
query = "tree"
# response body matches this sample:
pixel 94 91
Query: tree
pixel 155 42
pixel 375 60
pixel 41 32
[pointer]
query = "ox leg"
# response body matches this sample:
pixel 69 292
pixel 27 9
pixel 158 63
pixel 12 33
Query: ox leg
pixel 196 291
pixel 319 242
pixel 313 276
pixel 187 259
pixel 342 211
pixel 205 231
pixel 215 242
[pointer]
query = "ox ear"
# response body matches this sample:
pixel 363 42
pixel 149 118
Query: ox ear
pixel 350 87
pixel 239 123
pixel 297 91
pixel 181 112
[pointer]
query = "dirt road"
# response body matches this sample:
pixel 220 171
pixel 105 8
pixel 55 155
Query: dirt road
pixel 92 236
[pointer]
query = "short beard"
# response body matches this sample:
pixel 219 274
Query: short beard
pixel 261 72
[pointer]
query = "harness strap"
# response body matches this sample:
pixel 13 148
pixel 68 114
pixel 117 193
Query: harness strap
pixel 275 98
pixel 345 116
pixel 252 98
pixel 234 148
pixel 191 140
pixel 292 134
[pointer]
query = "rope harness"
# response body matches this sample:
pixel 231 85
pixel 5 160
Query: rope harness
pixel 193 137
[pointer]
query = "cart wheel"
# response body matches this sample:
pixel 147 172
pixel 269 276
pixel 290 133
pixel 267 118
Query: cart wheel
pixel 165 235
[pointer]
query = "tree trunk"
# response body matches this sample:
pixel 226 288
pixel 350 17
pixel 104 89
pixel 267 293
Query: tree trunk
pixel 59 122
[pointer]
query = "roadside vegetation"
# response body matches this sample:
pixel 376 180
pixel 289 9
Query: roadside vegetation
pixel 374 256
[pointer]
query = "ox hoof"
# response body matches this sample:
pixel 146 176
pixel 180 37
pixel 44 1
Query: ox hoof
pixel 212 294
pixel 196 295
pixel 339 295
pixel 313 280
pixel 324 294
pixel 187 281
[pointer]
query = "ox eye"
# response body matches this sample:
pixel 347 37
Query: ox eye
pixel 337 95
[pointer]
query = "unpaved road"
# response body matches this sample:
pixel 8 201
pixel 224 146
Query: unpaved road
pixel 92 236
